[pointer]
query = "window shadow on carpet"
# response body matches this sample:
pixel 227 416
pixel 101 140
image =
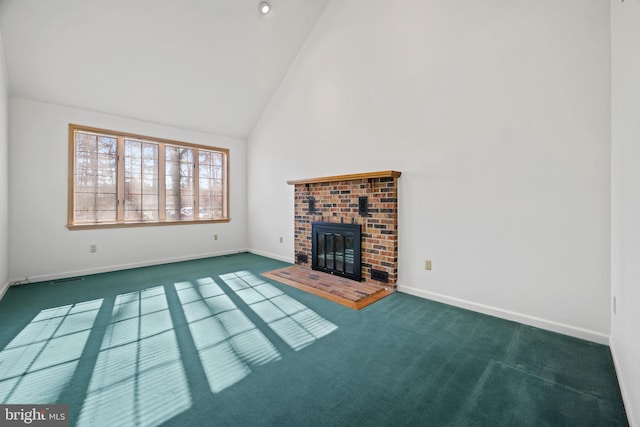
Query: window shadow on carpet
pixel 130 356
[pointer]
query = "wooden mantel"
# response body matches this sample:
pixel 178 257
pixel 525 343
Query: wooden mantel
pixel 351 177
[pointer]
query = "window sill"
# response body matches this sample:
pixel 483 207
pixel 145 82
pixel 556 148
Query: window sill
pixel 102 225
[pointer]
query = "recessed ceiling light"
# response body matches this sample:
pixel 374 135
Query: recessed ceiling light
pixel 264 7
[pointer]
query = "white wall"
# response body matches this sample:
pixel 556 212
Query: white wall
pixel 4 176
pixel 43 248
pixel 625 236
pixel 497 115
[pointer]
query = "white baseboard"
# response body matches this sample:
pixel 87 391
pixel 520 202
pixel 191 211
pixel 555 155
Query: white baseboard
pixel 626 399
pixel 573 331
pixel 77 273
pixel 3 289
pixel 273 256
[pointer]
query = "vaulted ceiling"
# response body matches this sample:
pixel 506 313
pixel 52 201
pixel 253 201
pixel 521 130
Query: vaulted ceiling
pixel 208 65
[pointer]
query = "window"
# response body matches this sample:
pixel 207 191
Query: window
pixel 118 179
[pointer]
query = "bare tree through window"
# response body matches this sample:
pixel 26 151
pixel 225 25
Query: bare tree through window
pixel 123 179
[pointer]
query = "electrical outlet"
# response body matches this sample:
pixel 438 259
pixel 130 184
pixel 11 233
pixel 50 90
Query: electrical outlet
pixel 280 239
pixel 427 264
pixel 93 249
pixel 215 237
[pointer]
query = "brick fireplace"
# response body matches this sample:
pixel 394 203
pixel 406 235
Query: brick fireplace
pixel 367 199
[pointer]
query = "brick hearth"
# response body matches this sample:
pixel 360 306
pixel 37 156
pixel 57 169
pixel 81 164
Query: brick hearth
pixel 336 200
pixel 355 295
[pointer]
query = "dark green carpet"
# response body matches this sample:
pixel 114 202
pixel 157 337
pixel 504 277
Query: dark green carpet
pixel 210 342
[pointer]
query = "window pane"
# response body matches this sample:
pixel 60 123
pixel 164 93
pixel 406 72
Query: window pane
pixel 179 183
pixel 140 181
pixel 95 177
pixel 211 185
pixel 118 178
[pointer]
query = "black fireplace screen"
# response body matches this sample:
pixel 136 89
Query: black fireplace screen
pixel 336 249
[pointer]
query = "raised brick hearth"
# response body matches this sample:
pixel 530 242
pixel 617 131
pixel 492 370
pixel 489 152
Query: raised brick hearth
pixel 337 200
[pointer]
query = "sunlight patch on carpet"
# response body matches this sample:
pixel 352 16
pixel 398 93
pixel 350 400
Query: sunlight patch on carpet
pixel 295 323
pixel 228 343
pixel 139 352
pixel 40 361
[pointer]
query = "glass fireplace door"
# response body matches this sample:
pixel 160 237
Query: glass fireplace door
pixel 336 249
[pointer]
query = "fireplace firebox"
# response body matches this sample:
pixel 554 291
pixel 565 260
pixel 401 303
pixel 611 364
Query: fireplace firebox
pixel 336 249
